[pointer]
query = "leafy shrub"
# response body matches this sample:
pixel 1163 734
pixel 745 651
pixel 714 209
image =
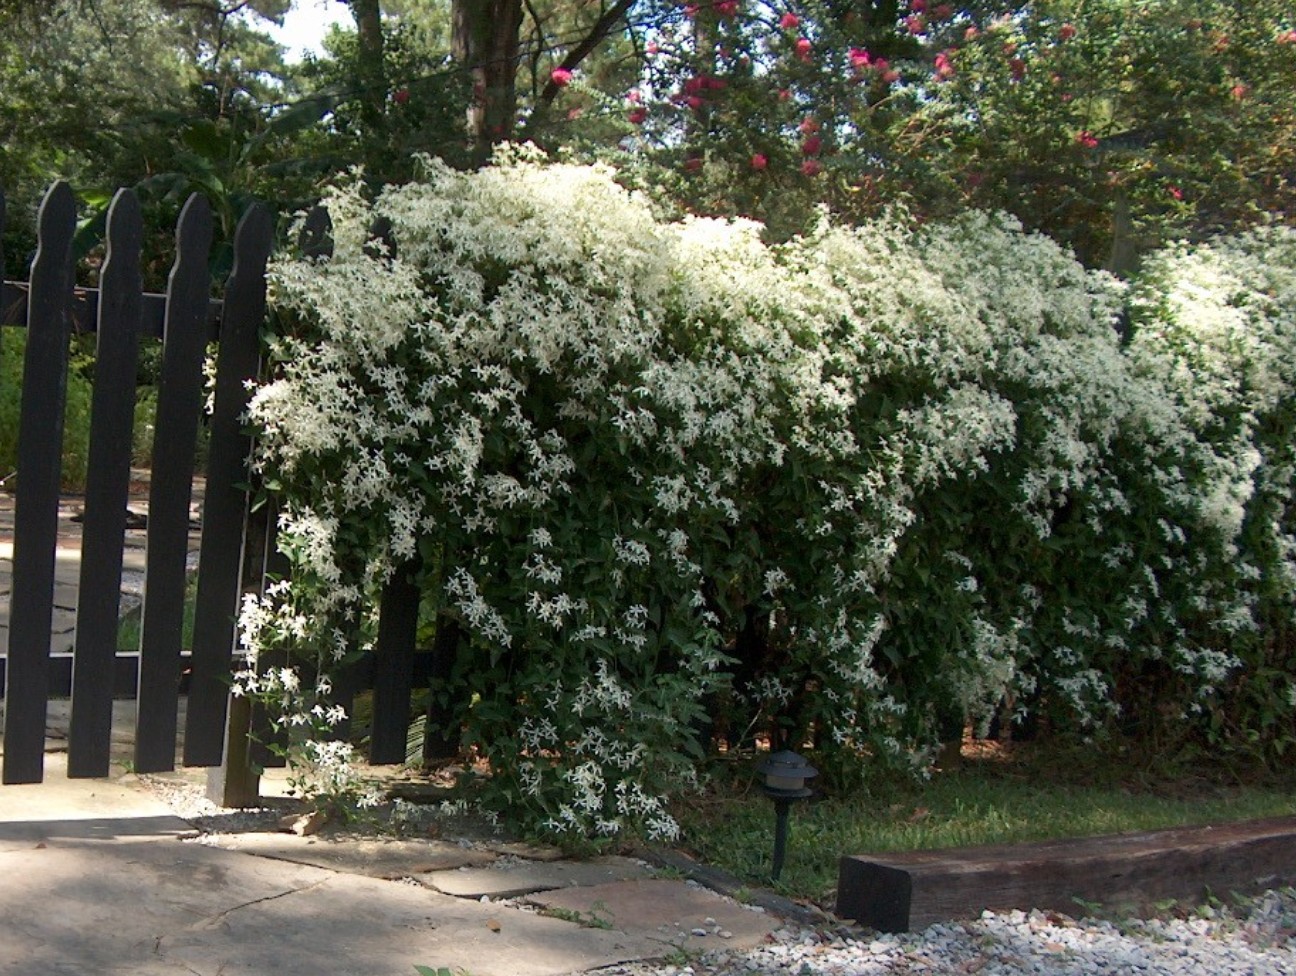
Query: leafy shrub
pixel 1215 328
pixel 863 486
pixel 76 423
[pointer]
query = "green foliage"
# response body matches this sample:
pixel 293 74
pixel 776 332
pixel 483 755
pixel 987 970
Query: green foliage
pixel 74 89
pixel 144 428
pixel 76 425
pixel 423 105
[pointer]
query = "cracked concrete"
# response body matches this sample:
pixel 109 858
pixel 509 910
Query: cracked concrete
pixel 150 905
pixel 98 877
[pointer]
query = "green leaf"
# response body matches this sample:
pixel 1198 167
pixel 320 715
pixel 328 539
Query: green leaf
pixel 205 138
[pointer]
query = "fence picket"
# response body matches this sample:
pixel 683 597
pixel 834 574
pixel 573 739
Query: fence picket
pixel 40 438
pixel 394 665
pixel 178 404
pixel 107 489
pixel 225 505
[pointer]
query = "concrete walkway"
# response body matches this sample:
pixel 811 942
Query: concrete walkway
pixel 98 876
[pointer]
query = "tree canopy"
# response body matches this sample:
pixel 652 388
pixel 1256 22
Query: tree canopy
pixel 1111 125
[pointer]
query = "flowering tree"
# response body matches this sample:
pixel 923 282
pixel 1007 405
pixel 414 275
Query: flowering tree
pixel 1109 125
pixel 849 488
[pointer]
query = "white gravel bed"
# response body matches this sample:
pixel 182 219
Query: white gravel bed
pixel 188 802
pixel 1256 939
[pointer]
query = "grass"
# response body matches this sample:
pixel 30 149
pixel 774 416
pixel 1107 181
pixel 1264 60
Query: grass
pixel 997 796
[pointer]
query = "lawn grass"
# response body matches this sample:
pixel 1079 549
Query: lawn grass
pixel 999 796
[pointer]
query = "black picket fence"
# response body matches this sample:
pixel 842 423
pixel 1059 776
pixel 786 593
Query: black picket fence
pixel 119 312
pixel 236 548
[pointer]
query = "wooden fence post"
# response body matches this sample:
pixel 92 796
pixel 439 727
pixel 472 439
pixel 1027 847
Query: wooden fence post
pixel 170 490
pixel 225 515
pixel 107 489
pixel 394 664
pixel 40 441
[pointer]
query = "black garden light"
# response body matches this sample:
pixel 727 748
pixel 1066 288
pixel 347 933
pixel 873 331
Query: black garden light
pixel 785 774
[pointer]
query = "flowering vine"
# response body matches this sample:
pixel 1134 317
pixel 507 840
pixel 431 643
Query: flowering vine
pixel 667 480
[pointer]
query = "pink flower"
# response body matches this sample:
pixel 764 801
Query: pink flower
pixel 784 95
pixel 811 167
pixel 1066 32
pixel 634 96
pixel 1287 38
pixel 915 24
pixel 574 113
pixel 690 10
pixel 1239 91
pixel 917 6
pixel 890 76
pixel 759 161
pixel 944 12
pixel 693 102
pixel 803 48
pixel 1087 139
pixel 400 96
pixel 944 67
pixel 789 21
pixel 811 146
pixel 859 58
pixel 1175 192
pixel 651 48
pixel 808 125
pixel 971 33
pixel 727 8
pixel 637 116
pixel 561 77
pixel 694 85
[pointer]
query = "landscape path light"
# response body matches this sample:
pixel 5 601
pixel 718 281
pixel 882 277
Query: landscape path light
pixel 784 780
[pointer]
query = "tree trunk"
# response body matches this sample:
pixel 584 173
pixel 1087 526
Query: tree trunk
pixel 486 41
pixel 1124 249
pixel 371 71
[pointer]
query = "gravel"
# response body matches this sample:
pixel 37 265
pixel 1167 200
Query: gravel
pixel 1258 938
pixel 188 801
